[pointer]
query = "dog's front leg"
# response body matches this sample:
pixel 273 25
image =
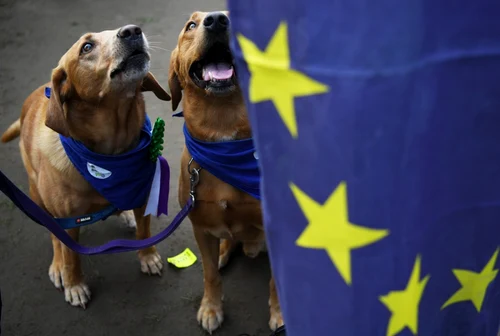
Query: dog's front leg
pixel 210 314
pixel 65 269
pixel 76 291
pixel 57 265
pixel 276 318
pixel 151 262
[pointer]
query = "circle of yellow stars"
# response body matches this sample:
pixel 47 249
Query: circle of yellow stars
pixel 329 228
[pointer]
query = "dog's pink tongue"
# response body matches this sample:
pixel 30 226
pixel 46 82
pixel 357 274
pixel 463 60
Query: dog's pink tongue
pixel 217 71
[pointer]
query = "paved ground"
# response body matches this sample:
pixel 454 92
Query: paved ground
pixel 34 34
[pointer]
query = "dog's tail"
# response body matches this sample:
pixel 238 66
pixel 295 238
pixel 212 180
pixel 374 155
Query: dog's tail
pixel 12 132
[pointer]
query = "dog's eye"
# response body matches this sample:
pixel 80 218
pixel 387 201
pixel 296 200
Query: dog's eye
pixel 190 26
pixel 87 47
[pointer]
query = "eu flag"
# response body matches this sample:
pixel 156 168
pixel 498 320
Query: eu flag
pixel 377 125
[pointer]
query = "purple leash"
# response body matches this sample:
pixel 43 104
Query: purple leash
pixel 38 215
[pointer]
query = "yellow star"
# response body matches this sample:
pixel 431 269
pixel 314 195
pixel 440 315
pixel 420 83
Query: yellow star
pixel 329 229
pixel 273 79
pixel 404 304
pixel 474 284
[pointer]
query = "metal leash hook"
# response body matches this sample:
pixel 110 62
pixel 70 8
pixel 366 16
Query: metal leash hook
pixel 194 179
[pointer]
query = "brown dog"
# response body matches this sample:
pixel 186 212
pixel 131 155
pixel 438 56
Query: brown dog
pixel 214 110
pixel 96 99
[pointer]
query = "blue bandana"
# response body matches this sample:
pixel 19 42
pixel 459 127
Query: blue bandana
pixel 128 180
pixel 234 162
pixel 124 180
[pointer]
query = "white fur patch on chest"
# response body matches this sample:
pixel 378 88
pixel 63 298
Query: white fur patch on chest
pixel 226 137
pixel 223 204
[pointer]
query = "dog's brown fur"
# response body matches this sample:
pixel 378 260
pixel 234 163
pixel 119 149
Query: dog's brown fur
pixel 221 211
pixel 106 115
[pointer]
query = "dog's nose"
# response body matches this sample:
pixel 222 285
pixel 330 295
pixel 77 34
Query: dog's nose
pixel 216 22
pixel 129 32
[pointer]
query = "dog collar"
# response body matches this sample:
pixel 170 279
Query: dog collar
pixel 234 162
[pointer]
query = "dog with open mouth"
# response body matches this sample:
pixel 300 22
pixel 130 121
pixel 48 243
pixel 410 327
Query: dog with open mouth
pixel 94 106
pixel 219 151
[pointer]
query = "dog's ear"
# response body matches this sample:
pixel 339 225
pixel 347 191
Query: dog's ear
pixel 56 114
pixel 149 83
pixel 173 79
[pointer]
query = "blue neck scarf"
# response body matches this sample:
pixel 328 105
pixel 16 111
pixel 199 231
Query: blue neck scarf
pixel 234 162
pixel 123 180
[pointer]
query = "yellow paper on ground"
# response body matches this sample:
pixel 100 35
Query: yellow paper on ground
pixel 184 259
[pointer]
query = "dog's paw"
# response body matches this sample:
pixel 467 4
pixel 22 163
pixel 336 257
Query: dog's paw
pixel 56 275
pixel 252 249
pixel 276 319
pixel 151 263
pixel 223 259
pixel 78 295
pixel 128 219
pixel 210 315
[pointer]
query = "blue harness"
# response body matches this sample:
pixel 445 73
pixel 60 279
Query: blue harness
pixel 234 162
pixel 123 180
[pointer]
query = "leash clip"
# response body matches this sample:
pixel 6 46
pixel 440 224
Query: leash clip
pixel 194 179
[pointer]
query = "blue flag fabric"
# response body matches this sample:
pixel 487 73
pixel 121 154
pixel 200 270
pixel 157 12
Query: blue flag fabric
pixel 377 125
